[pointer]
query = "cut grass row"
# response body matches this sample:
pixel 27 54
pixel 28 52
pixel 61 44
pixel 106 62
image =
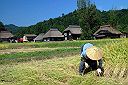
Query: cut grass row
pixel 57 71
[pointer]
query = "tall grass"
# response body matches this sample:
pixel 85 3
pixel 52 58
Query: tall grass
pixel 116 59
pixel 116 52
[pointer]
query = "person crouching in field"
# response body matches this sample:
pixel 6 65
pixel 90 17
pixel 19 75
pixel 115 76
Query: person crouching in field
pixel 91 59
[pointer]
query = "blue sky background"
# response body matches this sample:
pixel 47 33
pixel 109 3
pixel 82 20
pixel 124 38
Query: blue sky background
pixel 29 12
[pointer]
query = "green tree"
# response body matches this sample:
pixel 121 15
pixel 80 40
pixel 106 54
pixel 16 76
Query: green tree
pixel 112 18
pixel 83 3
pixel 2 26
pixel 89 20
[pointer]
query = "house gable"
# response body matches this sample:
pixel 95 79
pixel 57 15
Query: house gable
pixel 107 31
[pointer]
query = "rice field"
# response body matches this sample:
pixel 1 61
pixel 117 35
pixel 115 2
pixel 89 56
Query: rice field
pixel 56 63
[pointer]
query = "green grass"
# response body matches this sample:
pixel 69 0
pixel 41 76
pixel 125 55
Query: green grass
pixel 60 66
pixel 55 44
pixel 37 55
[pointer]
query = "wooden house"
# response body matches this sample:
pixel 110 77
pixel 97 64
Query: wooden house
pixel 39 37
pixel 107 31
pixel 73 32
pixel 29 37
pixel 6 36
pixel 53 35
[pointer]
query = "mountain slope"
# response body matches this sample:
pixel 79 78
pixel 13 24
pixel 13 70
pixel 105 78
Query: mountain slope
pixel 117 17
pixel 12 28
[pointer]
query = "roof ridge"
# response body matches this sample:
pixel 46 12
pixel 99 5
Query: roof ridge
pixel 105 26
pixel 74 26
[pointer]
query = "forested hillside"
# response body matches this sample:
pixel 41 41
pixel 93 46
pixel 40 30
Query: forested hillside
pixel 12 28
pixel 87 16
pixel 61 23
pixel 116 18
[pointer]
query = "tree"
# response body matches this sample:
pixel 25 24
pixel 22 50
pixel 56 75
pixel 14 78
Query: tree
pixel 2 26
pixel 83 3
pixel 89 20
pixel 112 18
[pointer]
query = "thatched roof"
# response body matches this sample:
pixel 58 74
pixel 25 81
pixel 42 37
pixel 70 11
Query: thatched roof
pixel 6 34
pixel 74 29
pixel 107 28
pixel 39 37
pixel 53 33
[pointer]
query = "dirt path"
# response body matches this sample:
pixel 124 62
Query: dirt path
pixel 11 51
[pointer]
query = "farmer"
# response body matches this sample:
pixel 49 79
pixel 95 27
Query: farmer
pixel 91 59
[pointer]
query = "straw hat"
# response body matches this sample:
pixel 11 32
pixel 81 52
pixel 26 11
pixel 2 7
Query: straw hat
pixel 94 53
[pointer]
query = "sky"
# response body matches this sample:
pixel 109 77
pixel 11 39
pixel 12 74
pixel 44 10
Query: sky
pixel 30 12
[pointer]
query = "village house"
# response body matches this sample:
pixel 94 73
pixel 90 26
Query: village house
pixel 29 37
pixel 107 31
pixel 6 36
pixel 39 37
pixel 73 32
pixel 53 35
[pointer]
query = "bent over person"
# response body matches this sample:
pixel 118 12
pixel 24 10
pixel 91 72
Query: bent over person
pixel 91 59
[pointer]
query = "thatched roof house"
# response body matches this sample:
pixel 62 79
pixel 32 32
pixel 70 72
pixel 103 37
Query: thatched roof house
pixel 29 37
pixel 72 32
pixel 107 31
pixel 53 35
pixel 39 37
pixel 6 36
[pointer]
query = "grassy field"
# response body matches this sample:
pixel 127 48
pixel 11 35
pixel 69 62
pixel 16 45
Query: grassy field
pixel 4 46
pixel 56 63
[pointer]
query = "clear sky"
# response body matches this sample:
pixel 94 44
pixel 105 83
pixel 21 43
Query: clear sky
pixel 29 12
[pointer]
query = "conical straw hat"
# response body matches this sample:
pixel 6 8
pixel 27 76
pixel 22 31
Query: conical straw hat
pixel 94 53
